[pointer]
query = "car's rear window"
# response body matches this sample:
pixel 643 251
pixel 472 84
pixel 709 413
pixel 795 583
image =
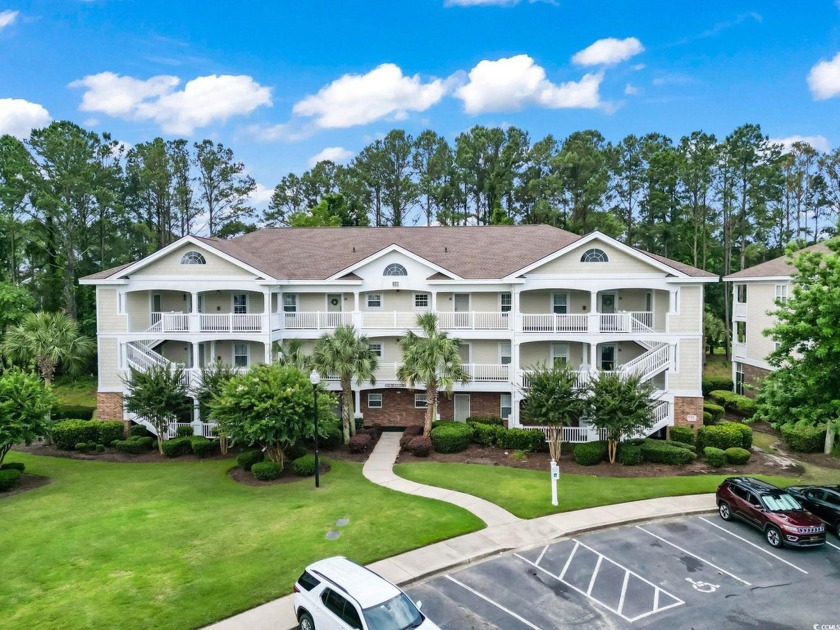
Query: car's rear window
pixel 307 581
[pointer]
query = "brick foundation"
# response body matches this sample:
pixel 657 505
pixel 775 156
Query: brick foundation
pixel 398 407
pixel 109 406
pixel 685 407
pixel 752 379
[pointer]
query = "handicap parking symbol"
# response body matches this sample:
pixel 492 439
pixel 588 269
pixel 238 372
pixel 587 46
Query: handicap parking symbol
pixel 703 587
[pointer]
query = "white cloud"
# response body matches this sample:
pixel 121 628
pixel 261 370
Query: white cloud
pixel 630 90
pixel 820 143
pixel 7 18
pixel 18 117
pixel 261 195
pixel 358 99
pixel 824 79
pixel 202 101
pixel 333 154
pixel 609 51
pixel 510 84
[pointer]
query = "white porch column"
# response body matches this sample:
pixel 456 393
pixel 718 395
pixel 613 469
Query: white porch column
pixel 593 356
pixel 357 403
pixel 194 363
pixel 434 302
pixel 267 347
pixel 266 326
pixel 212 351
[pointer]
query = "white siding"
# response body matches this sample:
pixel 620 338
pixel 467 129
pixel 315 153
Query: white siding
pixel 170 265
pixel 619 263
pixel 107 318
pixel 761 298
pixel 690 317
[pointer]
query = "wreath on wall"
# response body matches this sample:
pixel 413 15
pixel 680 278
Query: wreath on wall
pixel 334 301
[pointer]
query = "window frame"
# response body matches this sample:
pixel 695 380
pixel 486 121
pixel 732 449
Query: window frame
pixel 193 257
pixel 374 396
pixel 505 308
pixel 502 406
pixel 425 306
pixel 741 332
pixel 290 308
pixel 420 401
pixel 373 344
pixel 554 305
pixel 395 267
pixel 594 255
pixel 554 355
pixel 502 354
pixel 247 354
pixel 739 378
pixel 233 304
pixel 381 301
pixel 741 293
pixel 781 294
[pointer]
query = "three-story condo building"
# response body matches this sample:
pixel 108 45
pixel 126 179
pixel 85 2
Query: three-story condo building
pixel 516 296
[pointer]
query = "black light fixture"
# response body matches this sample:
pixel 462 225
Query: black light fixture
pixel 315 379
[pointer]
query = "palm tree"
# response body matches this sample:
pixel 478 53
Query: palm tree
pixel 432 359
pixel 48 340
pixel 348 355
pixel 290 352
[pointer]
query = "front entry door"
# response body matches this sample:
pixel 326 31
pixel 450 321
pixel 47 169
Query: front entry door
pixel 462 407
pixel 334 302
pixel 608 357
pixel 608 302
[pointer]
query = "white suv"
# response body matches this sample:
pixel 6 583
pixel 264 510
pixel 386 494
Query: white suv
pixel 338 594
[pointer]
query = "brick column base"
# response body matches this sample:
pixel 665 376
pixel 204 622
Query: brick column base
pixel 688 411
pixel 109 406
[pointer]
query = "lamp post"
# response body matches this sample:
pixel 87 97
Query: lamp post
pixel 315 379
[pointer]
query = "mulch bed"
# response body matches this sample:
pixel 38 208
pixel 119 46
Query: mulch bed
pixel 113 455
pixel 245 477
pixel 816 459
pixel 27 482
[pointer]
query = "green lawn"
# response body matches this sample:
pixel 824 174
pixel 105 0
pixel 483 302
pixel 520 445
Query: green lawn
pixel 180 545
pixel 76 391
pixel 717 366
pixel 527 493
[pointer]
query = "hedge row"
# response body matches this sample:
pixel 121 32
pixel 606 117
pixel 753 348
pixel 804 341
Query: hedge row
pixel 494 420
pixel 200 446
pixel 715 413
pixel 451 437
pixel 724 436
pixel 662 452
pixel 682 434
pixel 13 466
pixel 803 437
pixel 134 444
pixel 67 433
pixel 736 403
pixel 66 412
pixel 589 453
pixel 716 383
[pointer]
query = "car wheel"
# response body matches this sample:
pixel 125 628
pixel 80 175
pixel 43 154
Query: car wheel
pixel 724 511
pixel 774 537
pixel 305 622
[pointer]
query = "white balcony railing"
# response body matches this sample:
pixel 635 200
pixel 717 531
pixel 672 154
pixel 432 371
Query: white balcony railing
pixel 474 320
pixel 739 350
pixel 623 322
pixel 316 320
pixel 208 323
pixel 552 322
pixel 389 320
pixel 582 378
pixel 740 309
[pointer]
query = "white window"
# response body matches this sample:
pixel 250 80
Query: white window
pixel 506 302
pixel 374 401
pixel 395 269
pixel 777 345
pixel 559 354
pixel 560 303
pixel 376 348
pixel 240 303
pixel 374 300
pixel 506 406
pixel 421 300
pixel 290 302
pixel 741 292
pixel 240 355
pixel 193 258
pixel 739 378
pixel 781 293
pixel 420 401
pixel 504 352
pixel 741 332
pixel 594 256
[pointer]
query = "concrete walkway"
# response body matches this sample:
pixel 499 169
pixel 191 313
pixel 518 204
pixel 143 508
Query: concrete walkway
pixel 504 532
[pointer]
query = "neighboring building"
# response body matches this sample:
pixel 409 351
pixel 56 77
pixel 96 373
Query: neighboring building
pixel 754 294
pixel 515 295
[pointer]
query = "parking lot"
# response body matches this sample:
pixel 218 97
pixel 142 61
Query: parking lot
pixel 693 572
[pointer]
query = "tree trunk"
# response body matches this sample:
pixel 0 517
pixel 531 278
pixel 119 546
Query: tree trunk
pixel 431 408
pixel 829 438
pixel 612 449
pixel 3 450
pixel 347 393
pixel 275 454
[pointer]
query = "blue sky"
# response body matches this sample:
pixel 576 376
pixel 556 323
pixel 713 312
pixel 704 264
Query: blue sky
pixel 284 82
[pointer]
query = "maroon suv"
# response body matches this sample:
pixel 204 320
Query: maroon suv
pixel 772 510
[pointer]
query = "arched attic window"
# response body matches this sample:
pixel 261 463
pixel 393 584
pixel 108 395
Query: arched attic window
pixel 594 255
pixel 193 258
pixel 395 269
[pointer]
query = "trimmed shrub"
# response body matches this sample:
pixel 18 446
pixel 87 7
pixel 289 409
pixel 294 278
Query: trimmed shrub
pixel 202 447
pixel 487 434
pixel 266 470
pixel 804 437
pixel 147 442
pixel 688 447
pixel 305 466
pixel 100 448
pixel 715 413
pixel 247 459
pixel 716 383
pixel 68 412
pixel 714 456
pixel 358 423
pixel 294 452
pixel 661 452
pixel 452 438
pixel 332 440
pixel 629 454
pixel 9 479
pixel 590 453
pixel 442 423
pixel 736 403
pixel 13 466
pixel 681 434
pixel 737 455
pixel 420 446
pixel 360 442
pixel 184 431
pixel 707 418
pixel 531 440
pixel 177 447
pixel 84 447
pixel 724 436
pixel 110 430
pixel 493 420
pixel 409 433
pixel 138 430
pixel 68 433
pixel 134 445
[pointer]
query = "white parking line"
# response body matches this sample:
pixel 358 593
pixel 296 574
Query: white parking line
pixel 694 555
pixel 542 554
pixel 594 575
pixel 623 592
pixel 490 601
pixel 830 545
pixel 568 562
pixel 723 529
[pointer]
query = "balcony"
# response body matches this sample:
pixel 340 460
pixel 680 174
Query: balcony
pixel 386 373
pixel 623 322
pixel 739 350
pixel 208 323
pixel 740 310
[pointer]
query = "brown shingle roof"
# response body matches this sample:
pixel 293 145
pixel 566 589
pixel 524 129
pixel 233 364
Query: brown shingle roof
pixel 777 267
pixel 688 270
pixel 486 252
pixel 107 273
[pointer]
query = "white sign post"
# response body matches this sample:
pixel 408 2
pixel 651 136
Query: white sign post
pixel 555 475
